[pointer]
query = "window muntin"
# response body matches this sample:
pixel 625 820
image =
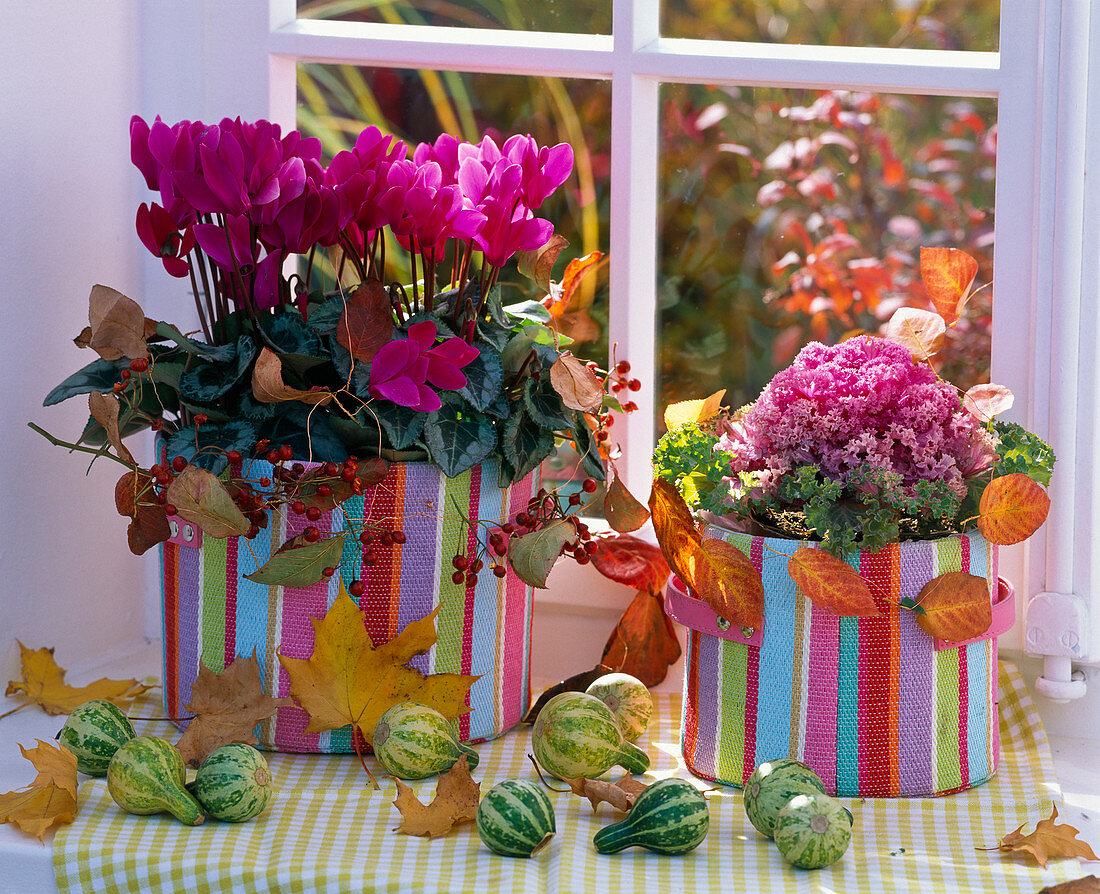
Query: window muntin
pixel 569 16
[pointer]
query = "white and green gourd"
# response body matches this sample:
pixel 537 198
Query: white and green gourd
pixel 772 785
pixel 813 831
pixel 669 817
pixel 147 775
pixel 576 736
pixel 233 784
pixel 515 818
pixel 412 741
pixel 93 732
pixel 629 700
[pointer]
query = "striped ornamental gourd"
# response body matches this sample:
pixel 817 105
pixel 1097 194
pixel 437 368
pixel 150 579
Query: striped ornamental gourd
pixel 146 775
pixel 772 785
pixel 516 818
pixel 233 784
pixel 669 817
pixel 812 831
pixel 412 741
pixel 576 736
pixel 93 732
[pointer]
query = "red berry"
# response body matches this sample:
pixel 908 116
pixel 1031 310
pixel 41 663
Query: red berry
pixel 178 464
pixel 591 546
pixel 201 418
pixel 385 538
pixel 460 562
pixel 634 385
pixel 297 468
pixel 265 482
pixel 125 374
pixel 357 588
pixel 330 469
pixel 272 456
pixel 366 537
pixel 600 436
pixel 616 387
pixel 233 456
pixel 582 559
pixel 348 474
pixel 508 528
pixel 169 509
pixel 311 534
pixel 399 537
pixel 574 499
pixel 477 566
pixel 328 572
pixel 589 485
pixel 499 570
pixel 313 513
pixel 298 507
pixel 323 490
pixel 161 498
pixel 261 445
pixel 622 367
pixel 286 452
pixel 471 579
pixel 458 577
pixel 139 364
pixel 630 407
pixel 370 560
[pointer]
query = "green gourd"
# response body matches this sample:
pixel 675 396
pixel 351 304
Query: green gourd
pixel 669 817
pixel 233 783
pixel 772 785
pixel 93 732
pixel 146 775
pixel 412 741
pixel 812 831
pixel 515 818
pixel 629 700
pixel 576 736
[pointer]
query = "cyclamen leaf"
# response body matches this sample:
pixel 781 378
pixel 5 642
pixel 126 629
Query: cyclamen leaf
pixel 458 439
pixel 201 498
pixel 300 563
pixel 533 555
pixel 920 332
pixel 948 276
pixel 525 443
pixel 955 606
pixel 621 509
pixel 577 384
pixel 630 561
pixel 693 411
pixel 99 375
pixel 1012 508
pixel 832 584
pixel 987 401
pixel 484 377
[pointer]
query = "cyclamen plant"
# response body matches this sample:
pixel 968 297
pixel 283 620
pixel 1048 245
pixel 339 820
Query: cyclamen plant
pixel 328 386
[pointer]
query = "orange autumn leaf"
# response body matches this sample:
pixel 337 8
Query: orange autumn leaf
pixel 693 411
pixel 1012 508
pixel 563 294
pixel 920 332
pixel 349 680
pixel 832 584
pixel 456 801
pixel 367 321
pixel 227 706
pixel 948 276
pixel 621 508
pixel 51 797
pixel 643 643
pixel 44 684
pixel 630 561
pixel 955 606
pixel 1049 839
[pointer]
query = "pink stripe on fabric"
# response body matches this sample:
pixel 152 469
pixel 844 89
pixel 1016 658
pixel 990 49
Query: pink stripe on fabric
pixel 822 695
pixel 233 544
pixel 515 657
pixel 471 593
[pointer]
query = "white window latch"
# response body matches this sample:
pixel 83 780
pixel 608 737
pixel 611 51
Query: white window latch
pixel 1057 628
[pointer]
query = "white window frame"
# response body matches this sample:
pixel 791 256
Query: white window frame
pixel 1047 238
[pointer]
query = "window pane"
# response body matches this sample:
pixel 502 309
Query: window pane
pixel 916 24
pixel 793 216
pixel 573 16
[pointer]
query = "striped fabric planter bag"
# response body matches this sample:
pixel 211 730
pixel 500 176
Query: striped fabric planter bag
pixel 213 614
pixel 876 706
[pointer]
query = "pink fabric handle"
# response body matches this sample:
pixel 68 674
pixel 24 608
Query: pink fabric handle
pixel 1004 616
pixel 698 615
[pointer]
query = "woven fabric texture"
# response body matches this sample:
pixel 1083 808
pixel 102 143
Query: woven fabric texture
pixel 212 613
pixel 328 831
pixel 869 703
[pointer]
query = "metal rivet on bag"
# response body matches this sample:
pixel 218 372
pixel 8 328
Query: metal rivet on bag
pixel 722 623
pixel 174 528
pixel 747 632
pixel 188 533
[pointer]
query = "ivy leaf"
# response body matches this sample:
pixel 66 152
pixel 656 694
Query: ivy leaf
pixel 987 401
pixel 630 561
pixel 544 404
pixel 948 276
pixel 920 332
pixel 458 437
pixel 955 606
pixel 44 684
pixel 456 801
pixel 201 498
pixel 99 375
pixel 300 563
pixel 643 643
pixel 578 386
pixel 350 680
pixel 693 412
pixel 367 321
pixel 525 443
pixel 1049 839
pixel 1012 508
pixel 533 555
pixel 832 584
pixel 484 377
pixel 621 509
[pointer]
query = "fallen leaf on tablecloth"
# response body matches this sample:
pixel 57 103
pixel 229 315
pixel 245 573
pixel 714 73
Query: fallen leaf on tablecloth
pixel 1088 884
pixel 1050 839
pixel 576 683
pixel 227 707
pixel 51 797
pixel 456 799
pixel 44 684
pixel 620 794
pixel 348 679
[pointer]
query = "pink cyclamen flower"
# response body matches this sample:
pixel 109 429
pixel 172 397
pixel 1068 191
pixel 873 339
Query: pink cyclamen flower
pixel 158 232
pixel 403 369
pixel 544 168
pixel 419 206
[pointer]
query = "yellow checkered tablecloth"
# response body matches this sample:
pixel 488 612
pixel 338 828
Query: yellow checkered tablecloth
pixel 328 831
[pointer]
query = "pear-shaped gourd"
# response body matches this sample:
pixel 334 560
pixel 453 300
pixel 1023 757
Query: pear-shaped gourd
pixel 412 741
pixel 629 700
pixel 576 736
pixel 93 732
pixel 146 775
pixel 669 817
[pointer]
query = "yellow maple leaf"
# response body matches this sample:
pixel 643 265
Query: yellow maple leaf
pixel 44 684
pixel 350 680
pixel 51 797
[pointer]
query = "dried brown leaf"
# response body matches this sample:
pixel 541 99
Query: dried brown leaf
pixel 269 388
pixel 117 325
pixel 576 384
pixel 201 498
pixel 621 508
pixel 643 643
pixel 148 522
pixel 456 800
pixel 621 794
pixel 537 264
pixel 1049 839
pixel 367 321
pixel 920 332
pixel 105 410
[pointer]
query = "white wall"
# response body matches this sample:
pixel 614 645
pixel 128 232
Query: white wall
pixel 67 201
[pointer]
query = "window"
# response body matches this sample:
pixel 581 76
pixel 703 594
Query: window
pixel 1034 74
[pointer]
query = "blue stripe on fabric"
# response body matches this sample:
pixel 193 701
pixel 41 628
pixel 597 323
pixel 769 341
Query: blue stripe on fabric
pixel 776 667
pixel 977 702
pixel 483 642
pixel 847 710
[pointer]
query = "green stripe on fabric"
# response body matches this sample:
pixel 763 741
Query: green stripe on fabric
pixel 212 634
pixel 731 731
pixel 452 597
